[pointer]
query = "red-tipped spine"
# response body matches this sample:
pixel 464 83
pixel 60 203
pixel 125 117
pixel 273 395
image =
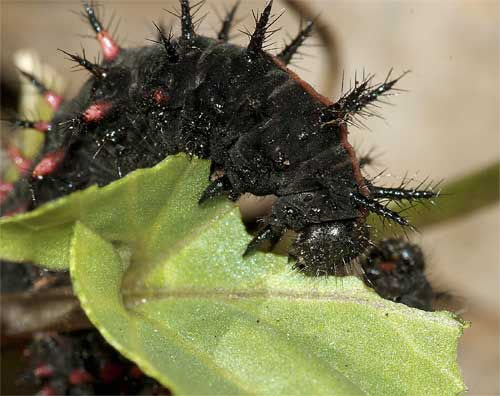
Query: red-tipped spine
pixel 22 163
pixel 53 99
pixel 5 190
pixel 110 48
pixel 49 164
pixel 97 70
pixel 40 126
pixel 96 112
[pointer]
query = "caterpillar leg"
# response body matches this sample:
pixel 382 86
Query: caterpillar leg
pixel 218 187
pixel 269 233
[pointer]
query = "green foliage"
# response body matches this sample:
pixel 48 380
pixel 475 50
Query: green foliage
pixel 165 282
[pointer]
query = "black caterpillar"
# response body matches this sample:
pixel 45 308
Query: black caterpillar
pixel 264 129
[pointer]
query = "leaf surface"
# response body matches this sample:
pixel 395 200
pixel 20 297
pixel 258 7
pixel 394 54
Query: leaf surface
pixel 119 212
pixel 165 282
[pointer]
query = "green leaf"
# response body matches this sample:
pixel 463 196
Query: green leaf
pixel 164 281
pixel 119 212
pixel 278 333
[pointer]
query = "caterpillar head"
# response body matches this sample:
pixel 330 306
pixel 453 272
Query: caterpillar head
pixel 328 248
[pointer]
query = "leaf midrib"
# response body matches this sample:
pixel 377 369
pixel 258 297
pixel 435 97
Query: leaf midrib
pixel 134 298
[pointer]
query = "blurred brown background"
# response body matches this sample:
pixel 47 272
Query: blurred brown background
pixel 446 126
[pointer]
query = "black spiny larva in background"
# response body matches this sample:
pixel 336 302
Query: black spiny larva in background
pixel 264 130
pixel 83 363
pixel 395 269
